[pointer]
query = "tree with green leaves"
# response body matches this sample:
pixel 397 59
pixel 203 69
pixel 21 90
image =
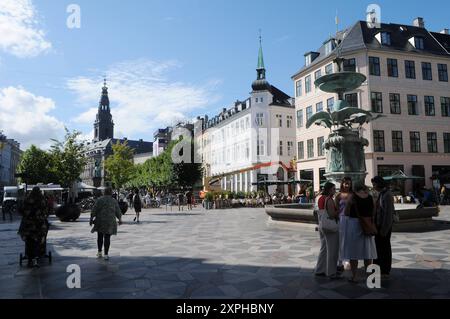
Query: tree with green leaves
pixel 37 166
pixel 185 175
pixel 69 158
pixel 119 166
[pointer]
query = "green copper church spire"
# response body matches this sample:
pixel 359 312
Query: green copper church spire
pixel 260 84
pixel 260 55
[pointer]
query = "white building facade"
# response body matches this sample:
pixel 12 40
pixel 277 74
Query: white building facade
pixel 252 141
pixel 407 82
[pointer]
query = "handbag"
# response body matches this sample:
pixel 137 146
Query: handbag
pixel 326 223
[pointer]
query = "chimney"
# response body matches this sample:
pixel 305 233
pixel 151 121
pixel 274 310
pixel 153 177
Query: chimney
pixel 445 31
pixel 418 22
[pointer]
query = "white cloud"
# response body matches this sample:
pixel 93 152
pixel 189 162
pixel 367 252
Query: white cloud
pixel 25 117
pixel 20 32
pixel 142 97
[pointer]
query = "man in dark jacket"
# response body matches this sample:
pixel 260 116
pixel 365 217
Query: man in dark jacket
pixel 34 226
pixel 384 219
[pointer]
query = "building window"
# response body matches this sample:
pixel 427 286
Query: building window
pixel 415 142
pixel 320 142
pixel 432 142
pixel 443 73
pixel 385 38
pixel 418 43
pixel 426 71
pixel 260 147
pixel 397 141
pixel 329 68
pixel 392 68
pixel 310 148
pixel 377 102
pixel 410 69
pixel 412 105
pixel 317 74
pixel 298 88
pixel 378 141
pixel 308 84
pixel 247 150
pixel 280 149
pixel 299 118
pixel 429 106
pixel 290 147
pixel 374 66
pixel 445 106
pixel 259 119
pixel 319 107
pixel 330 104
pixel 279 120
pixel 301 150
pixel 394 99
pixel 352 99
pixel 447 143
pixel 350 65
pixel 289 121
pixel 309 112
pixel 329 46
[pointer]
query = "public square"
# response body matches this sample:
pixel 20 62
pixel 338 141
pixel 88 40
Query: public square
pixel 236 253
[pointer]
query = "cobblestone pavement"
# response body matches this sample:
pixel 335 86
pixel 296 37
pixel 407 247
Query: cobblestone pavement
pixel 215 254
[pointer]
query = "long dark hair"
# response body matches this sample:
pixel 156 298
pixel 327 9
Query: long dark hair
pixel 327 188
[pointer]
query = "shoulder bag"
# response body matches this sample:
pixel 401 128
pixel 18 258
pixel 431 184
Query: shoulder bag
pixel 326 223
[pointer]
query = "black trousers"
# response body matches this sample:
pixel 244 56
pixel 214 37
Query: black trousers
pixel 384 252
pixel 32 248
pixel 103 239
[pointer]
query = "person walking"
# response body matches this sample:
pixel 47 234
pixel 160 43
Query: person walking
pixel 103 216
pixel 341 202
pixel 329 240
pixel 189 200
pixel 358 237
pixel 137 204
pixel 384 219
pixel 34 225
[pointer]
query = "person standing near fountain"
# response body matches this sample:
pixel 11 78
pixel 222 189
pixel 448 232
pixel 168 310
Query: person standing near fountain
pixel 341 201
pixel 329 241
pixel 359 242
pixel 384 219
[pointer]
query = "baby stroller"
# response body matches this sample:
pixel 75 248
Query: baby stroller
pixel 43 253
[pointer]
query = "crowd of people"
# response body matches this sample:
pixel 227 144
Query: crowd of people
pixel 355 225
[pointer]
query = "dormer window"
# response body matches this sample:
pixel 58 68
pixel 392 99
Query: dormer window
pixel 310 57
pixel 417 42
pixel 385 38
pixel 330 46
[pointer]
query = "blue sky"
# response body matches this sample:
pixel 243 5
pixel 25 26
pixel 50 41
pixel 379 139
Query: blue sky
pixel 164 60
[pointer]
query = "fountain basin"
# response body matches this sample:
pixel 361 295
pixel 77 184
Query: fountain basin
pixel 298 213
pixel 410 220
pixel 340 82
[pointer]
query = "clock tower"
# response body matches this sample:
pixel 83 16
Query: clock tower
pixel 104 125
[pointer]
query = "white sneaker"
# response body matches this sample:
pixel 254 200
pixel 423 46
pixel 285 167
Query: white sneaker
pixel 106 257
pixel 99 254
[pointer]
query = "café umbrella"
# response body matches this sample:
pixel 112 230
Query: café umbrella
pixel 401 176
